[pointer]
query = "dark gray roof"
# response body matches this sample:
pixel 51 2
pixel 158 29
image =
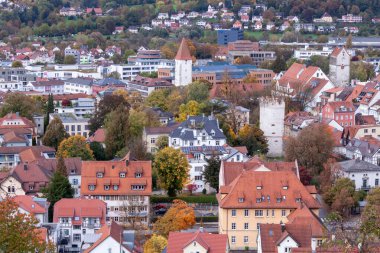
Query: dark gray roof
pixel 345 93
pixel 367 149
pixel 186 129
pixel 356 165
pixel 81 81
pixel 109 81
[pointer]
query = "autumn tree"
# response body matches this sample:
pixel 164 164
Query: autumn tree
pixel 162 142
pixel 17 64
pixel 59 187
pixel 179 217
pixel 312 147
pixel 61 166
pixel 361 71
pixel 75 146
pixel 243 60
pixel 117 130
pixel 191 108
pixel 106 105
pixel 198 91
pixel 19 230
pixel 172 169
pixel 69 59
pixel 55 133
pixel 158 98
pixel 341 196
pixel 370 220
pixel 253 138
pixel 155 244
pixel 211 172
pixel 18 102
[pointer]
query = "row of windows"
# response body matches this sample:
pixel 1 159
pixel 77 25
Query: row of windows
pixel 245 239
pixel 92 187
pixel 123 197
pixel 121 174
pixel 258 213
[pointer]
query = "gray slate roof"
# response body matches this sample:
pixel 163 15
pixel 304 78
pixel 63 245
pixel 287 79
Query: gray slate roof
pixel 81 81
pixel 185 130
pixel 358 166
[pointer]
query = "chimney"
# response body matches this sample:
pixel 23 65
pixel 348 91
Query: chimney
pixel 282 227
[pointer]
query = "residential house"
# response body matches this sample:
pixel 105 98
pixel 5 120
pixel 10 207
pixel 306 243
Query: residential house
pixel 146 85
pixel 73 124
pixel 258 26
pixel 52 86
pixel 70 11
pixel 152 134
pixel 16 131
pixel 96 11
pixel 304 232
pixel 365 149
pixel 81 107
pixel 293 19
pixel 114 239
pixel 124 185
pixel 77 220
pixel 296 121
pixel 237 25
pixel 78 85
pixel 360 131
pixel 341 111
pixel 350 18
pixel 10 186
pixel 99 136
pixel 118 30
pixel 30 205
pixel 259 197
pixel 368 98
pixel 199 241
pixel 365 175
pixel 326 18
pixel 12 156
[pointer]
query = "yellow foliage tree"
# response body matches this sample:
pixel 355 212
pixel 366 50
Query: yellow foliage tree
pixel 179 216
pixel 155 244
pixel 191 108
pixel 75 146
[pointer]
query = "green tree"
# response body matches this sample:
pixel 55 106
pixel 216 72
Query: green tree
pixel 69 59
pixel 253 138
pixel 198 91
pixel 59 187
pixel 279 64
pixel 106 105
pixel 61 166
pixel 136 124
pixel 172 169
pixel 179 217
pixel 158 98
pixel 349 41
pixel 75 146
pixel 17 64
pixel 49 109
pixel 117 130
pixel 21 234
pixel 362 71
pixel 162 142
pixel 155 244
pixel 18 102
pixel 370 219
pixel 341 197
pixel 98 150
pixel 211 172
pixel 320 61
pixel 55 133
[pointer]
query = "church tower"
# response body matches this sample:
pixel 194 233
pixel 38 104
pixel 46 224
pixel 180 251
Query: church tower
pixel 340 67
pixel 183 65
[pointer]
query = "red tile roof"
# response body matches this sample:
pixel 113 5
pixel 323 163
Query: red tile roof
pixel 213 243
pixel 82 208
pixel 336 51
pixel 183 51
pixel 27 203
pixel 98 136
pixel 272 185
pixel 111 170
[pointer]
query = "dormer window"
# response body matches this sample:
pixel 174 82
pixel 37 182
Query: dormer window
pixel 115 187
pixel 241 200
pixel 91 187
pixel 99 174
pixel 285 187
pixel 278 200
pixel 298 200
pixel 138 174
pixel 122 174
pixel 259 187
pixel 258 200
pixel 106 187
pixel 138 187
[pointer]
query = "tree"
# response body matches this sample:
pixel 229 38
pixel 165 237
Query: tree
pixel 106 105
pixel 253 138
pixel 155 244
pixel 98 150
pixel 55 133
pixel 172 169
pixel 179 217
pixel 312 147
pixel 49 109
pixel 158 98
pixel 162 142
pixel 370 219
pixel 59 187
pixel 136 122
pixel 319 61
pixel 279 64
pixel 117 130
pixel 75 146
pixel 198 91
pixel 362 71
pixel 61 167
pixel 69 59
pixel 211 172
pixel 349 41
pixel 17 64
pixel 341 196
pixel 243 60
pixel 191 108
pixel 18 102
pixel 19 232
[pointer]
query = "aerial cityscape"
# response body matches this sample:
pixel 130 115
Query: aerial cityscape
pixel 190 126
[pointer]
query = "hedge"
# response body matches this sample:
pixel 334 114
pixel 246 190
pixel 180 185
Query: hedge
pixel 211 199
pixel 207 219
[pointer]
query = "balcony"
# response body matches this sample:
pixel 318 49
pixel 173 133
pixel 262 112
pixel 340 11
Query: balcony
pixel 91 226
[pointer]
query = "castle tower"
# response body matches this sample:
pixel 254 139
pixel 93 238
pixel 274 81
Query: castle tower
pixel 183 65
pixel 272 115
pixel 340 67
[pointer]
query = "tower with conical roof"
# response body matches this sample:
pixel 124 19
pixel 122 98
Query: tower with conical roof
pixel 183 65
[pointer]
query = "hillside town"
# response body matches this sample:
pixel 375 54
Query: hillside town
pixel 190 126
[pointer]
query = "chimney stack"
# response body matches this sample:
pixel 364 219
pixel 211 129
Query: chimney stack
pixel 282 227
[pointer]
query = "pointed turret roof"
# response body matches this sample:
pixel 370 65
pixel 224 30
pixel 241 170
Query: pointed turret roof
pixel 183 51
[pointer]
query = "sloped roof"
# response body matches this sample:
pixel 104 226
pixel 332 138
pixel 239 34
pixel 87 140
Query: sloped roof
pixel 98 136
pixel 183 52
pixel 356 165
pixel 213 243
pixel 27 203
pixel 80 207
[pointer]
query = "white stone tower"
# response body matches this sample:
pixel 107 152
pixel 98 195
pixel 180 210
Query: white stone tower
pixel 183 65
pixel 340 67
pixel 272 114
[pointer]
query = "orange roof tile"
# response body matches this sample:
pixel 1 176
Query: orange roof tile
pixel 183 51
pixel 27 203
pixel 336 51
pixel 98 136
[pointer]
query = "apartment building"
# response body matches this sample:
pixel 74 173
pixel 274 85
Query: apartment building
pixel 124 185
pixel 73 124
pixel 259 197
pixel 78 220
pixel 343 112
pixel 146 85
pixel 81 107
pixel 78 85
pixel 48 87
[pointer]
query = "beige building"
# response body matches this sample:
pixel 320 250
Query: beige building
pixel 10 186
pixel 259 197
